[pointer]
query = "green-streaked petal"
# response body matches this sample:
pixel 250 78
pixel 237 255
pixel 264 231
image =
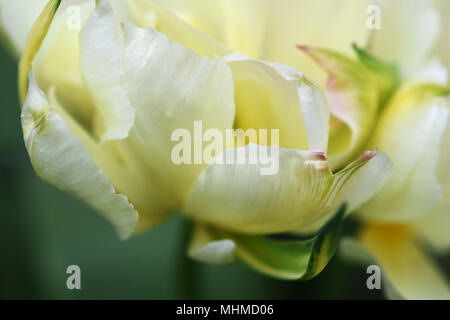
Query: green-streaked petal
pixel 284 191
pixel 35 38
pixel 205 248
pixel 355 91
pixel 170 88
pixel 57 63
pixel 16 21
pixel 100 56
pixel 409 31
pixel 409 268
pixel 270 30
pixel 61 159
pixel 275 96
pixel 290 257
pixel 410 131
pixel 149 14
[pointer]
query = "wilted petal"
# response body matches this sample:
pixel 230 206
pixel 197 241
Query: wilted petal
pixel 275 96
pixel 409 268
pixel 410 131
pixel 61 159
pixel 297 191
pixel 170 88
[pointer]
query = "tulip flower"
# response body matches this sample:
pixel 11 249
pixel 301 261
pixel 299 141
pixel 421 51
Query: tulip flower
pixel 102 102
pixel 393 96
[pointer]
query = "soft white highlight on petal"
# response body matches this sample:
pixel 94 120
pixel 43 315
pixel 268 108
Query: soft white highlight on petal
pixel 101 65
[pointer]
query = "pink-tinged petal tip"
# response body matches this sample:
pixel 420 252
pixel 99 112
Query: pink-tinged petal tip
pixel 303 48
pixel 368 155
pixel 319 154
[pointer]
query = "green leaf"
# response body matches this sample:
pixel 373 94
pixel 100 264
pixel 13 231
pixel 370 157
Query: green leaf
pixel 289 256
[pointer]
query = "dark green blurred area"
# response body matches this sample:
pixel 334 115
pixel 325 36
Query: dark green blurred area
pixel 43 231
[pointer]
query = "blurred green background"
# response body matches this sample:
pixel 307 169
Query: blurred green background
pixel 43 231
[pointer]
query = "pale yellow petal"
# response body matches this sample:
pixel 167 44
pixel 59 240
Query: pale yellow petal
pixel 275 96
pixel 442 49
pixel 150 14
pixel 101 65
pixel 270 30
pixel 408 267
pixel 270 190
pixel 61 159
pixel 126 167
pixel 434 227
pixel 170 88
pixel 410 131
pixel 57 63
pixel 409 31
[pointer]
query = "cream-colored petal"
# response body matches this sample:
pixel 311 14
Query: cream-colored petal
pixel 275 96
pixel 16 20
pixel 126 167
pixel 434 227
pixel 296 191
pixel 61 159
pixel 408 267
pixel 409 31
pixel 101 65
pixel 170 88
pixel 442 48
pixel 292 23
pixel 270 30
pixel 150 14
pixel 57 63
pixel 410 131
pixel 432 71
pixel 238 24
pixel 204 247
